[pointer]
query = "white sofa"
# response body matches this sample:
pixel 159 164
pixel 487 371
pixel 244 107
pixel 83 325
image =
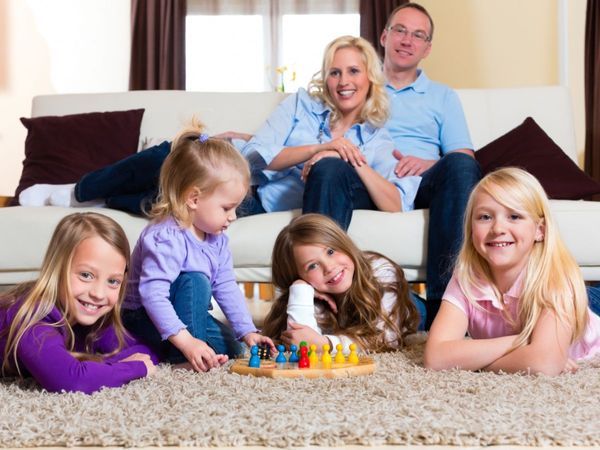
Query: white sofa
pixel 25 231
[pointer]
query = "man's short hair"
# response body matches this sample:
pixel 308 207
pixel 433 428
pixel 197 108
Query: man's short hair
pixel 413 6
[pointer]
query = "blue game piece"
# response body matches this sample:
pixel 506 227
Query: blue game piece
pixel 281 355
pixel 293 354
pixel 254 359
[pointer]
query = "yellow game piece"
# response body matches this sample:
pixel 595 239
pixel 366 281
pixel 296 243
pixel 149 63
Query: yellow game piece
pixel 326 357
pixel 353 357
pixel 339 356
pixel 313 359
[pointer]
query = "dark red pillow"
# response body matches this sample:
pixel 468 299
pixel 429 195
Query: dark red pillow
pixel 60 149
pixel 529 147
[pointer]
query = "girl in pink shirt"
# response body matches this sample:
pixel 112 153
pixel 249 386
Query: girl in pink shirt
pixel 516 289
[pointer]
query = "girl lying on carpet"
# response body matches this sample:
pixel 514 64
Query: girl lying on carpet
pixel 64 329
pixel 515 289
pixel 182 257
pixel 332 292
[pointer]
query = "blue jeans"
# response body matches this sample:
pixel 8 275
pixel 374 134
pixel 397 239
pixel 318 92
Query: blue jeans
pixel 130 184
pixel 445 190
pixel 190 294
pixel 334 189
pixel 421 308
pixel 594 298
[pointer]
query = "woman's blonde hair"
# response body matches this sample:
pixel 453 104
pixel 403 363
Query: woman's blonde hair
pixel 41 296
pixel 552 279
pixel 195 162
pixel 376 108
pixel 359 309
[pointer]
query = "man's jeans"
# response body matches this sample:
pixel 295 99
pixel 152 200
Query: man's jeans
pixel 334 189
pixel 445 190
pixel 190 294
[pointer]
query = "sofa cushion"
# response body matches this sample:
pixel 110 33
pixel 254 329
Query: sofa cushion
pixel 60 149
pixel 529 147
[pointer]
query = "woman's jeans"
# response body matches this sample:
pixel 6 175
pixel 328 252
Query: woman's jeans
pixel 594 298
pixel 191 297
pixel 130 184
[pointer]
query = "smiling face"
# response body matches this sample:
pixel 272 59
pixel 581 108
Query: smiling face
pixel 403 52
pixel 347 81
pixel 213 213
pixel 324 268
pixel 504 237
pixel 96 274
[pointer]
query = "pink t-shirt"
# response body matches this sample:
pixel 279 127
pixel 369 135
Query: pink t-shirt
pixel 487 321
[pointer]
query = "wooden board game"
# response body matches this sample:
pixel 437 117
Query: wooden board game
pixel 269 368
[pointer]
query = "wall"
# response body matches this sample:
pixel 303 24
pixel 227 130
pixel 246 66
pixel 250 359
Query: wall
pixel 63 46
pixel 57 46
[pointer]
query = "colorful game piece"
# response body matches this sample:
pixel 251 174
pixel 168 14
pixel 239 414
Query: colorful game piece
pixel 293 354
pixel 264 352
pixel 303 363
pixel 281 355
pixel 326 357
pixel 339 356
pixel 254 358
pixel 302 344
pixel 353 357
pixel 313 358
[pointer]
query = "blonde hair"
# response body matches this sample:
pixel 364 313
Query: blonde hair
pixel 552 280
pixel 376 108
pixel 44 294
pixel 195 162
pixel 359 309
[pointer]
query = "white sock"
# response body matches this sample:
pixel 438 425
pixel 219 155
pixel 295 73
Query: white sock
pixel 39 194
pixel 66 197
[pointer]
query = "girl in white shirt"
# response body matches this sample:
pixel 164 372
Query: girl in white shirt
pixel 332 292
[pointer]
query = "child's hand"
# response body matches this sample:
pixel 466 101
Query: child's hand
pixel 327 299
pixel 201 357
pixel 143 357
pixel 258 339
pixel 297 333
pixel 570 366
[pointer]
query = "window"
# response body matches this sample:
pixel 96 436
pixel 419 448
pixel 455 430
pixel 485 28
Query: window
pixel 261 45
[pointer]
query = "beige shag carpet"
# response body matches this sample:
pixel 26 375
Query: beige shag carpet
pixel 401 404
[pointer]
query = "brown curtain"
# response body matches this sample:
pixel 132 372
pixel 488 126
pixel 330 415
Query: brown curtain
pixel 592 90
pixel 373 17
pixel 157 44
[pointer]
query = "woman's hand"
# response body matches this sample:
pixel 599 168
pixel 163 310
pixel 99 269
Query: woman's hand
pixel 145 358
pixel 315 159
pixel 297 333
pixel 233 135
pixel 347 151
pixel 258 339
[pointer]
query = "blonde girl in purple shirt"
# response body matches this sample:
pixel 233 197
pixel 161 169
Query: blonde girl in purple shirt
pixel 64 329
pixel 182 257
pixel 516 289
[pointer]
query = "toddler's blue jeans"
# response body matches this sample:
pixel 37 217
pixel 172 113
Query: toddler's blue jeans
pixel 191 297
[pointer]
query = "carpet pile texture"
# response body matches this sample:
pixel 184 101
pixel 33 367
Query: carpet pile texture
pixel 402 404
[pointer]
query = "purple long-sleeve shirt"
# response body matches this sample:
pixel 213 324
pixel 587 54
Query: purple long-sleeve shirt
pixel 163 251
pixel 42 353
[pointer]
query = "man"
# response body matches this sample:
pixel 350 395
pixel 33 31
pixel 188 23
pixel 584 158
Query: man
pixel 432 141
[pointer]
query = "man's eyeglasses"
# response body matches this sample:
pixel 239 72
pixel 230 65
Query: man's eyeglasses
pixel 419 36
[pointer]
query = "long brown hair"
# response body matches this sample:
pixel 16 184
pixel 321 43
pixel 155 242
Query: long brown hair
pixel 359 309
pixel 41 296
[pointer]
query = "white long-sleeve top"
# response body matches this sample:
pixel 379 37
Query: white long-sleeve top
pixel 302 309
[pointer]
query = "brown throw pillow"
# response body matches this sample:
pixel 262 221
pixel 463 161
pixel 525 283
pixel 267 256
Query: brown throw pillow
pixel 60 149
pixel 529 147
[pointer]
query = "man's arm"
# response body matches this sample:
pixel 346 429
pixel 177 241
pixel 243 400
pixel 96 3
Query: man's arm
pixel 411 165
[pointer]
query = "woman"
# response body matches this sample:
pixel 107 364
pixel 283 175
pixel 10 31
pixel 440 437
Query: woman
pixel 333 129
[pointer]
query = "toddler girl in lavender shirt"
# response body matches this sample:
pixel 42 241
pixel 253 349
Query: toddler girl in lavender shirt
pixel 65 329
pixel 182 257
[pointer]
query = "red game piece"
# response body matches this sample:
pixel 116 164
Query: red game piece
pixel 303 363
